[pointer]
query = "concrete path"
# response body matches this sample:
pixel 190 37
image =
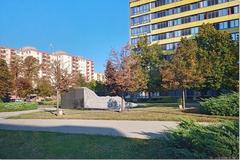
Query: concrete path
pixel 131 129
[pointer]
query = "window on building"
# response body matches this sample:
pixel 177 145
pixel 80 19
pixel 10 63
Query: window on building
pixel 194 30
pixel 223 12
pixel 236 9
pixel 141 9
pixel 177 34
pixel 235 36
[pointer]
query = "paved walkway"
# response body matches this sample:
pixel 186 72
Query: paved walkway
pixel 131 129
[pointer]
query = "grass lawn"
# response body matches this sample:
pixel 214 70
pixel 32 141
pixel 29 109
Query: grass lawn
pixel 17 106
pixel 150 112
pixel 41 145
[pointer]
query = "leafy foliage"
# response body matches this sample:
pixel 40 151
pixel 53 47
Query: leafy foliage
pixel 218 58
pixel 183 71
pixel 45 88
pixel 30 69
pixel 80 81
pixel 16 71
pixel 17 106
pixel 224 105
pixel 110 74
pixel 196 141
pixel 5 79
pixel 150 58
pixel 124 73
pixel 24 87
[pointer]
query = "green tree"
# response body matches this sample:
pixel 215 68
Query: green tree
pixel 150 58
pixel 24 87
pixel 91 85
pixel 44 88
pixel 100 88
pixel 30 69
pixel 218 57
pixel 183 71
pixel 16 72
pixel 5 80
pixel 81 82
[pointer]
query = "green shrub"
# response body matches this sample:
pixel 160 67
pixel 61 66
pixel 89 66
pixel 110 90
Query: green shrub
pixel 196 141
pixel 17 106
pixel 163 99
pixel 47 103
pixel 224 105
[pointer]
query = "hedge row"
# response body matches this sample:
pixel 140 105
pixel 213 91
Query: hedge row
pixel 224 105
pixel 194 141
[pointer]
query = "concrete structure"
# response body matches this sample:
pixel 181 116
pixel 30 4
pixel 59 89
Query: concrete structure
pixel 73 64
pixel 78 98
pixel 166 21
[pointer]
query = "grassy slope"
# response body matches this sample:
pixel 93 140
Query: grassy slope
pixel 31 145
pixel 153 112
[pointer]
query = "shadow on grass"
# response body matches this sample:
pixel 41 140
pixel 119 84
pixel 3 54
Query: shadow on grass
pixel 149 105
pixel 70 129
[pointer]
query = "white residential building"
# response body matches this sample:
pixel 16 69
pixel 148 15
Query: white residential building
pixel 73 64
pixel 6 54
pixel 90 70
pixel 99 77
pixel 65 60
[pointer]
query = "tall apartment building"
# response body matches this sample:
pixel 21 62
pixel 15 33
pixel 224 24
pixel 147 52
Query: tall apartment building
pixel 99 77
pixel 7 54
pixel 166 21
pixel 73 64
pixel 90 70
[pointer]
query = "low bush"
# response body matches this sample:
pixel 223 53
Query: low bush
pixel 191 140
pixel 17 106
pixel 48 103
pixel 224 105
pixel 163 99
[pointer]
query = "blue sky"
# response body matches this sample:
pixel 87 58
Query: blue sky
pixel 90 28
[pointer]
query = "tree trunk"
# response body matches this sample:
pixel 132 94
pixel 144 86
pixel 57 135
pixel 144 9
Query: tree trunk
pixel 122 105
pixel 150 95
pixel 183 99
pixel 58 101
